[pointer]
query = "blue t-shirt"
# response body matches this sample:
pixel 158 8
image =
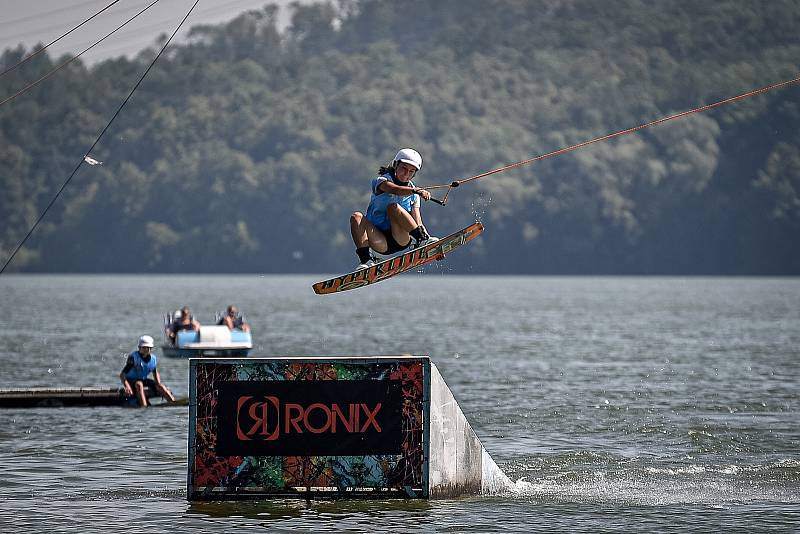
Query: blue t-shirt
pixel 137 368
pixel 376 212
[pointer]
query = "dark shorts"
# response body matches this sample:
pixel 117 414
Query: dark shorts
pixel 147 382
pixel 393 245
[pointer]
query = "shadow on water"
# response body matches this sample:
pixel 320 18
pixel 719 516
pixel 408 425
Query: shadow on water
pixel 282 509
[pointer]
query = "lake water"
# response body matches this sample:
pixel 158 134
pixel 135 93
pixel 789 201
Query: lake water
pixel 616 404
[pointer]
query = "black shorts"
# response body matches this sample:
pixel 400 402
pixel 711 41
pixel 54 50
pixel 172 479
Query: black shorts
pixel 393 246
pixel 147 383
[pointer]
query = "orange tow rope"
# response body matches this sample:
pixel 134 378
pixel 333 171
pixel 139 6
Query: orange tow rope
pixel 457 183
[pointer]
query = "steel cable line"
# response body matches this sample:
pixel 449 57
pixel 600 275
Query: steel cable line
pixel 73 5
pixel 62 65
pixel 86 155
pixel 570 148
pixel 29 56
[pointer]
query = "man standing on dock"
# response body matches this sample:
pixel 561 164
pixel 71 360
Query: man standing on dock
pixel 134 375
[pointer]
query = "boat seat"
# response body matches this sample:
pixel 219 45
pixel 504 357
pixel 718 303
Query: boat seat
pixel 187 336
pixel 215 334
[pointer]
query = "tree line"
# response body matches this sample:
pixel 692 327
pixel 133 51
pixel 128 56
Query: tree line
pixel 246 148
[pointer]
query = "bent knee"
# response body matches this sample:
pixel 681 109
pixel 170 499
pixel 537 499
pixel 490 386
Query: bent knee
pixel 356 216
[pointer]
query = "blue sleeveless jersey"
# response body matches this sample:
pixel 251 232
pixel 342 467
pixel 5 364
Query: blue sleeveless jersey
pixel 376 212
pixel 141 369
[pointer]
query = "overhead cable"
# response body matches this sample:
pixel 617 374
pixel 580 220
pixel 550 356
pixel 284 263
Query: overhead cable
pixel 37 52
pixel 86 155
pixel 70 60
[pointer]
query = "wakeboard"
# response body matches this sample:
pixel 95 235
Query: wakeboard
pixel 401 263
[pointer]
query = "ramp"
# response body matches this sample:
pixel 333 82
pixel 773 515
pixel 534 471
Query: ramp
pixel 366 427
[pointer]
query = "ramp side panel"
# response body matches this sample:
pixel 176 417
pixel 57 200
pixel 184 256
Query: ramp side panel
pixel 258 427
pixel 456 453
pixel 494 481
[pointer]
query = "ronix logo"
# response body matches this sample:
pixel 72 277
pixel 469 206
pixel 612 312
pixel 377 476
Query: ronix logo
pixel 266 418
pixel 309 417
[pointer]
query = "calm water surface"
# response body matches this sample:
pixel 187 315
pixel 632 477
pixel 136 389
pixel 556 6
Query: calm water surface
pixel 616 404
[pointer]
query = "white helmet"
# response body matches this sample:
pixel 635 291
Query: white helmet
pixel 146 341
pixel 410 156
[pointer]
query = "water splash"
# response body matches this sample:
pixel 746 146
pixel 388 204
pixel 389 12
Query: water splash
pixel 480 205
pixel 637 484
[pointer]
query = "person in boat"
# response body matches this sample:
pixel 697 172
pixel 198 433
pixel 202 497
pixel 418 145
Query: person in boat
pixel 234 320
pixel 182 321
pixel 393 221
pixel 135 374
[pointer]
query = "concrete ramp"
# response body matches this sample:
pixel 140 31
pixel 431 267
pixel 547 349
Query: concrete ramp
pixel 373 427
pixel 456 454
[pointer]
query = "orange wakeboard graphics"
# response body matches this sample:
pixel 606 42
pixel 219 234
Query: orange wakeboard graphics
pixel 399 264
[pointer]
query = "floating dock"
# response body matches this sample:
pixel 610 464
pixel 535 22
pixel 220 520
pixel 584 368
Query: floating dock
pixel 365 427
pixel 61 397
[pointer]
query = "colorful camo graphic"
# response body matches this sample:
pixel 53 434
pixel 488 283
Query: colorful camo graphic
pixel 212 475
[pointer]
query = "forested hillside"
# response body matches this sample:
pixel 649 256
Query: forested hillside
pixel 247 149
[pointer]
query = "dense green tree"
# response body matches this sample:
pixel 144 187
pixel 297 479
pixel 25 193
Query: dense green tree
pixel 246 149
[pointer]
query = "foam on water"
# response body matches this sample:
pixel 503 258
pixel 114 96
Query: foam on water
pixel 775 481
